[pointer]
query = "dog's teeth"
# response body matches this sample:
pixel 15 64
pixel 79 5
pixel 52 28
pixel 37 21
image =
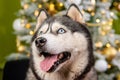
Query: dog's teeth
pixel 60 56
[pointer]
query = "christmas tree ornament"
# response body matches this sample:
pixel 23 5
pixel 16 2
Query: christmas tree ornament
pixel 110 52
pixel 52 9
pixel 17 25
pixel 101 65
pixel 28 26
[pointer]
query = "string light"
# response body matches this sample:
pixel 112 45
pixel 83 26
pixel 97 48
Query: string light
pixel 111 13
pixel 109 66
pixel 25 6
pixel 21 48
pixel 105 23
pixel 93 2
pixel 52 7
pixel 61 4
pixel 92 14
pixel 103 33
pixel 22 22
pixel 90 9
pixel 108 45
pixel 82 11
pixel 102 12
pixel 98 44
pixel 31 32
pixel 36 12
pixel 97 20
pixel 40 6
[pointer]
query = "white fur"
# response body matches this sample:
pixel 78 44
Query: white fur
pixel 75 43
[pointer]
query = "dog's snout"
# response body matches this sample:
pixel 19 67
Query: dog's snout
pixel 40 42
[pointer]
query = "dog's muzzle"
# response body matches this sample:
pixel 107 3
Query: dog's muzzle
pixel 40 42
pixel 52 61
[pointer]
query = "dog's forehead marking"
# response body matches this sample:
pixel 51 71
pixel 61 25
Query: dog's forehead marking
pixel 51 27
pixel 55 26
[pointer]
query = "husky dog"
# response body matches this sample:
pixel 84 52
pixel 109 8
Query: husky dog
pixel 61 48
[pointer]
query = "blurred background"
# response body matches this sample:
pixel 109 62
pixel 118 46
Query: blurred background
pixel 18 19
pixel 8 8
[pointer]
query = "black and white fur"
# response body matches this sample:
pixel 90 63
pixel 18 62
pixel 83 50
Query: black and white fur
pixel 76 39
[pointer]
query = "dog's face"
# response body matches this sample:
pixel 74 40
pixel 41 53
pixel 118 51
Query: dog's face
pixel 58 41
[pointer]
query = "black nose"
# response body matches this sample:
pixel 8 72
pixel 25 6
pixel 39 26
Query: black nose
pixel 40 42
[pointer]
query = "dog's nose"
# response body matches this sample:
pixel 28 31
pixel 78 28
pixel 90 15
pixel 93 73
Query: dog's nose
pixel 40 42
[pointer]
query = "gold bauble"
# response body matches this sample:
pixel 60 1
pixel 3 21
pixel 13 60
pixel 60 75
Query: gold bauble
pixel 109 52
pixel 51 9
pixel 28 26
pixel 118 76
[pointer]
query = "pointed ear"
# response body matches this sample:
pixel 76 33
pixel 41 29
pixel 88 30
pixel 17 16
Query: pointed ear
pixel 75 14
pixel 41 17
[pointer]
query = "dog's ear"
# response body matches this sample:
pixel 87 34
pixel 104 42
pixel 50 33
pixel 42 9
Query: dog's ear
pixel 41 17
pixel 75 14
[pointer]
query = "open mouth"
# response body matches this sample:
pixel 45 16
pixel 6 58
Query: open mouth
pixel 52 61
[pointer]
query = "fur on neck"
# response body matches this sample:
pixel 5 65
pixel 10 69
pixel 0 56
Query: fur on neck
pixel 72 72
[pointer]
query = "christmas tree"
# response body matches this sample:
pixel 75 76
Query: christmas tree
pixel 99 16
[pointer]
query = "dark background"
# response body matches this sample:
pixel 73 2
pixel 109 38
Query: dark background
pixel 8 8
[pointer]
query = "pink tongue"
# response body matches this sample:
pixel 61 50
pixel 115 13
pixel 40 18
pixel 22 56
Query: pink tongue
pixel 47 63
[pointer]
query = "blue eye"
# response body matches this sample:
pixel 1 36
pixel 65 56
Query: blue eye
pixel 61 31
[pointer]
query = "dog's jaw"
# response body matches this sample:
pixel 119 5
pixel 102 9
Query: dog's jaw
pixel 70 71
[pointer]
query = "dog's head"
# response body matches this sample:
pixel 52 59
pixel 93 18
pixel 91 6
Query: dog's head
pixel 58 41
